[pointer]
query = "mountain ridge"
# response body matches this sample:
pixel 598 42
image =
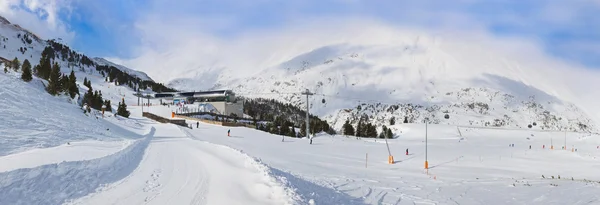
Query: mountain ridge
pixel 410 73
pixel 31 50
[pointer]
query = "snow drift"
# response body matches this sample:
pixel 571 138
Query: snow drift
pixel 57 183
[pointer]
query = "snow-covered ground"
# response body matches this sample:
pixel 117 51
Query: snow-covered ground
pixel 32 118
pixel 138 161
pixel 479 169
pixel 180 170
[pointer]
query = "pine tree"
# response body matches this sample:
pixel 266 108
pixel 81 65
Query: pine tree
pixel 360 128
pixel 348 128
pixel 73 90
pixel 274 130
pixel 98 100
pixel 383 133
pixel 285 129
pixel 26 75
pixel 87 97
pixel 389 133
pixel 54 80
pixel 303 130
pixel 292 132
pixel 95 101
pixel 87 83
pixel 373 131
pixel 42 70
pixel 64 83
pixel 405 120
pixel 15 64
pixel 107 104
pixel 5 68
pixel 325 126
pixel 393 121
pixel 122 109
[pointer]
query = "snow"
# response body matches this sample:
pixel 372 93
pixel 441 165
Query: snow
pixel 141 75
pixel 480 169
pixel 55 183
pixel 32 118
pixel 53 153
pixel 143 162
pixel 195 172
pixel 63 153
pixel 378 64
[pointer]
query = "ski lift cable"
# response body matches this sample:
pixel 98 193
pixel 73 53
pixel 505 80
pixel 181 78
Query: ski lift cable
pixel 359 100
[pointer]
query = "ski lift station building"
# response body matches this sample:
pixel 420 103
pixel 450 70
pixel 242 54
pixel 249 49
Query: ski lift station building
pixel 224 101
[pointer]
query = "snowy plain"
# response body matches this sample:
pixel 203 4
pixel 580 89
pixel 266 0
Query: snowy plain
pixel 479 169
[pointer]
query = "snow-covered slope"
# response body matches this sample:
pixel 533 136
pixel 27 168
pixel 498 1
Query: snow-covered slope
pixel 417 75
pixel 139 74
pixel 22 44
pixel 32 118
pixel 466 166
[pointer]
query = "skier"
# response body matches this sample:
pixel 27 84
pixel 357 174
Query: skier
pixel 406 151
pixel 529 146
pixel 197 124
pixel 228 131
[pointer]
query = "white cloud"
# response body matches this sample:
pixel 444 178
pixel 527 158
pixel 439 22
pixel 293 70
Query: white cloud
pixel 39 16
pixel 183 46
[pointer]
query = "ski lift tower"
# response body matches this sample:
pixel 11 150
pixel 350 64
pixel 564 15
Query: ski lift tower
pixel 307 93
pixel 147 93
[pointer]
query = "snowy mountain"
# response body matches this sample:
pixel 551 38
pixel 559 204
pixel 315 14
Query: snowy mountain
pixel 18 42
pixel 416 76
pixel 141 75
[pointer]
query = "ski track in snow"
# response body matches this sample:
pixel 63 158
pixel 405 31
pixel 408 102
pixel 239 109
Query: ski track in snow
pixel 179 170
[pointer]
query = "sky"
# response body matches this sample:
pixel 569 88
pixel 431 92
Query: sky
pixel 130 29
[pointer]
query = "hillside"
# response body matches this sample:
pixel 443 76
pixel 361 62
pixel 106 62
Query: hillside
pixel 417 76
pixel 143 76
pixel 17 42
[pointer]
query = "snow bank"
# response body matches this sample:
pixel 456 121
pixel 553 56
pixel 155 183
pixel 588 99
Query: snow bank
pixel 58 183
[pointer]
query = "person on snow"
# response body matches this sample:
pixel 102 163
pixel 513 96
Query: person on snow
pixel 228 131
pixel 197 124
pixel 406 151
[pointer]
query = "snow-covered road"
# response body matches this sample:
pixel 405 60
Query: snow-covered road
pixel 177 169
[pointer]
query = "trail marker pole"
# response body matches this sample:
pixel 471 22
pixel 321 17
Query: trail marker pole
pixel 426 162
pixel 390 157
pixel 565 140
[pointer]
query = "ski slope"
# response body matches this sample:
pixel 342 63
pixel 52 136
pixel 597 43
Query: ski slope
pixel 477 168
pixel 53 153
pixel 32 118
pixel 180 170
pixel 144 162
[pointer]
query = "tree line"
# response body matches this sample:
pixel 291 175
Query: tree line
pixel 59 83
pixel 283 117
pixel 366 129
